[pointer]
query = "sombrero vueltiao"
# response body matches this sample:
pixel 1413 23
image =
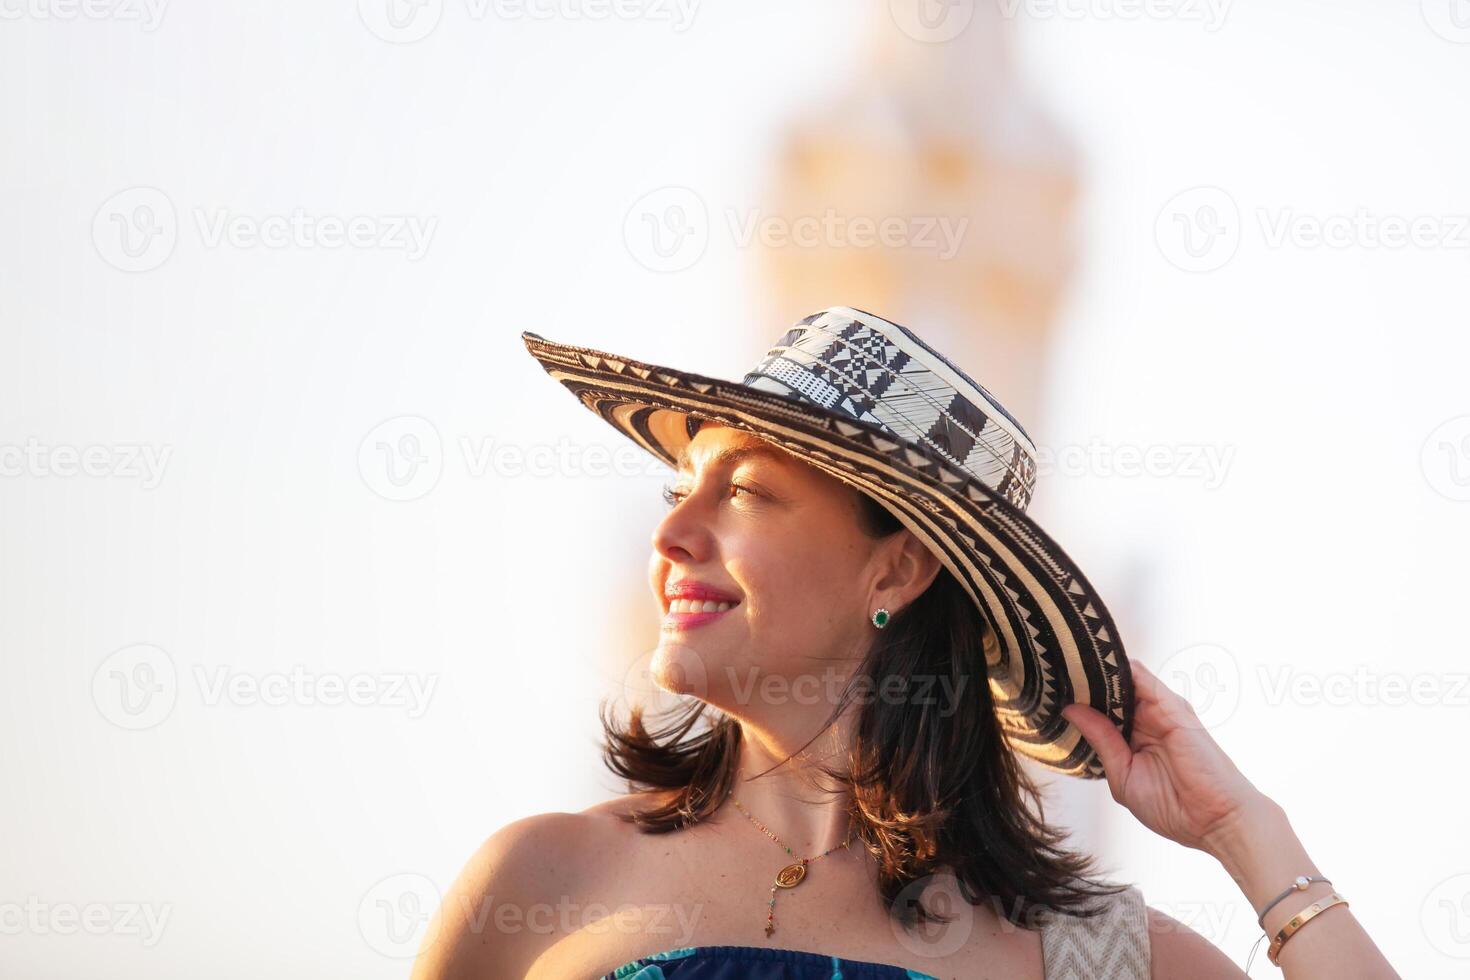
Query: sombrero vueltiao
pixel 870 403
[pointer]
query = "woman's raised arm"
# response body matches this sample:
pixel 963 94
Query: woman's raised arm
pixel 1181 785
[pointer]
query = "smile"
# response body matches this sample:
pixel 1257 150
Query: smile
pixel 698 605
pixel 685 614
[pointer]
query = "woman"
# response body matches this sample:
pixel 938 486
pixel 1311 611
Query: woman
pixel 868 631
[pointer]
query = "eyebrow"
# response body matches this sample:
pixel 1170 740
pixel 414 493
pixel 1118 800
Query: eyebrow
pixel 732 455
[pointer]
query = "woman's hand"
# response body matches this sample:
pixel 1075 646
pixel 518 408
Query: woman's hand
pixel 1174 777
pixel 1180 784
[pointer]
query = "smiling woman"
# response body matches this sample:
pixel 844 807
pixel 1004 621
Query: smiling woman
pixel 868 634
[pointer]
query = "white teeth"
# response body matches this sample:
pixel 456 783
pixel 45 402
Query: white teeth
pixel 698 605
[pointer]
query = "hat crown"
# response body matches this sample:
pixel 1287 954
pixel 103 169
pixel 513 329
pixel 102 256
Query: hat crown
pixel 845 360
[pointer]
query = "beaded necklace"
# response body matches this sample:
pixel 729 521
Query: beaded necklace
pixel 791 875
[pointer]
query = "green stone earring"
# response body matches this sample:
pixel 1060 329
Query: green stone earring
pixel 880 618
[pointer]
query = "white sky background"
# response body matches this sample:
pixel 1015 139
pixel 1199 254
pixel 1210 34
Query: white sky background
pixel 263 831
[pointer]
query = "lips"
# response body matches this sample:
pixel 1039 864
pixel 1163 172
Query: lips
pixel 690 604
pixel 698 590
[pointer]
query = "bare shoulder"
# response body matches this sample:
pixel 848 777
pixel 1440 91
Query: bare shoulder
pixel 483 927
pixel 619 806
pixel 1177 952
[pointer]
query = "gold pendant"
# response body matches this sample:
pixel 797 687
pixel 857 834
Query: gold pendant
pixel 791 875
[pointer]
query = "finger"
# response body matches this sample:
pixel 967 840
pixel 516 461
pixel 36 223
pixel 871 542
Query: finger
pixel 1147 686
pixel 1114 754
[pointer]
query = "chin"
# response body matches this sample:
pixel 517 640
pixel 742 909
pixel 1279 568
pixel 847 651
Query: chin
pixel 679 668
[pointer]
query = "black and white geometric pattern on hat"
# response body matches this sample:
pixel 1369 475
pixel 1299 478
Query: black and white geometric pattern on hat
pixel 847 361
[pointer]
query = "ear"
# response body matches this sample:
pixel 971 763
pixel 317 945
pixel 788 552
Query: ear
pixel 910 570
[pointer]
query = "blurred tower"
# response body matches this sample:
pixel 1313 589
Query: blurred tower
pixel 942 132
pixel 938 132
pixel 928 134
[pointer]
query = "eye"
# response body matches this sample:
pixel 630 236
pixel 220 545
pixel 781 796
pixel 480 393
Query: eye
pixel 672 496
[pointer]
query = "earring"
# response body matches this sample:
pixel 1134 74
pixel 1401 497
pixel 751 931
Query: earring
pixel 880 618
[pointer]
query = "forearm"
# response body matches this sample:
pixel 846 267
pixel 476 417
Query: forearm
pixel 1262 853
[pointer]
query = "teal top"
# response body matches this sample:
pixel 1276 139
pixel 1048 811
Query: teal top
pixel 743 962
pixel 1114 944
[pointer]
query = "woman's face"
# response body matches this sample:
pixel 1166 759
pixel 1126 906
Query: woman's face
pixel 778 542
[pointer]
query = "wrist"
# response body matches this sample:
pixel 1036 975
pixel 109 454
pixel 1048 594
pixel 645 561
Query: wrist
pixel 1233 841
pixel 1260 851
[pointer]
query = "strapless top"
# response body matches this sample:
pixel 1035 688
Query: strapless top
pixel 1113 944
pixel 742 962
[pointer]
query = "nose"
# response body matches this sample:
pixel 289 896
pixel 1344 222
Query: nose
pixel 683 536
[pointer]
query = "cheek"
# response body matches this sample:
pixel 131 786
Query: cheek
pixel 794 601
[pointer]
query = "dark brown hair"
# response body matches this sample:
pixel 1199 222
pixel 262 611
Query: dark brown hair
pixel 934 786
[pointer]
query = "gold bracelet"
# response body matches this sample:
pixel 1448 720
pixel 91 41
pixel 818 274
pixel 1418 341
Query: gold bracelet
pixel 1300 919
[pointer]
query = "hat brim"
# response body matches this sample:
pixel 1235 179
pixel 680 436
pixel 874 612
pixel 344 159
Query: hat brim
pixel 1057 642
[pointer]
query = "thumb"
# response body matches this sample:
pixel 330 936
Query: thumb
pixel 1112 751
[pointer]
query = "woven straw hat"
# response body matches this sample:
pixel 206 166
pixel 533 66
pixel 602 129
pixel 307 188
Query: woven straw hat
pixel 868 402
